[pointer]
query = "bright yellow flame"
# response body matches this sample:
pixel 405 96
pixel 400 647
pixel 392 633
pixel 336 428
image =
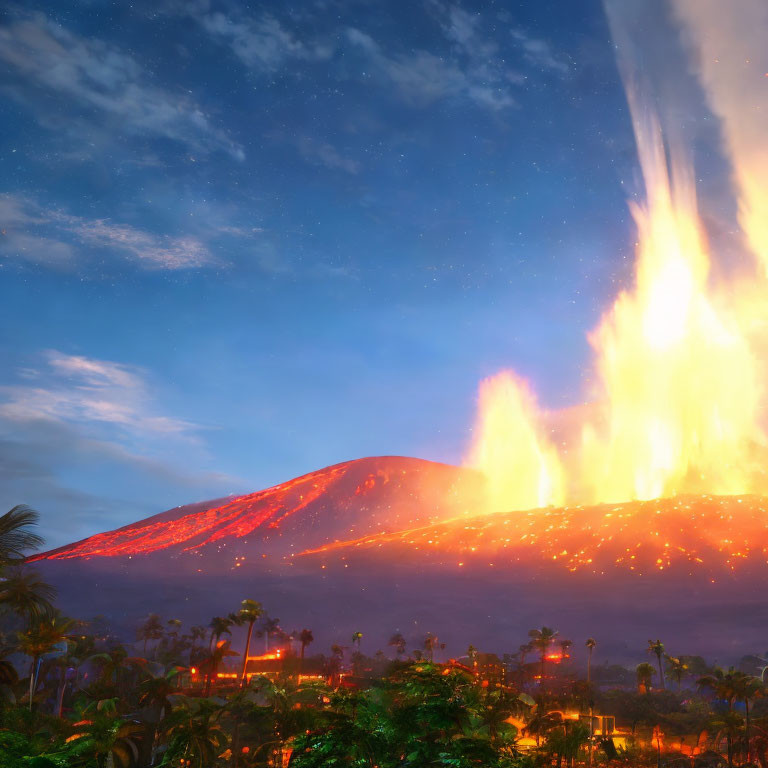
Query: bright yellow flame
pixel 521 465
pixel 679 384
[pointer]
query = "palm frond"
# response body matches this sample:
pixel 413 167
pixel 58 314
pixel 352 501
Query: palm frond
pixel 16 536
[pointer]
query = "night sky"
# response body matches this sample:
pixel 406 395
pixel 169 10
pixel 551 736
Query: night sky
pixel 242 242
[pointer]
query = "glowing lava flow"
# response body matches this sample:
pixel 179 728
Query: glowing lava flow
pixel 237 517
pixel 695 535
pixel 342 501
pixel 679 398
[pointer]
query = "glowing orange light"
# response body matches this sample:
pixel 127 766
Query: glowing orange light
pixel 679 363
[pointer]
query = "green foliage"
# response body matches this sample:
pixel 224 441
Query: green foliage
pixel 17 536
pixel 422 715
pixel 86 702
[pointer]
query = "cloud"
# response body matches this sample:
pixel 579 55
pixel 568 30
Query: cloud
pixel 16 215
pixel 261 42
pixel 539 53
pixel 86 391
pixel 83 485
pixel 89 74
pixel 151 251
pixel 475 69
pixel 46 236
pixel 322 153
pixel 83 440
pixel 423 78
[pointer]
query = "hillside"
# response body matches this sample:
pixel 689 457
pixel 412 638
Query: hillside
pixel 391 543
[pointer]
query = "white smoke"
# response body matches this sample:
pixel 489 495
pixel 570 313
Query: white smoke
pixel 728 42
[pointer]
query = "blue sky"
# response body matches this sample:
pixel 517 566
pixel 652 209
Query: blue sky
pixel 241 242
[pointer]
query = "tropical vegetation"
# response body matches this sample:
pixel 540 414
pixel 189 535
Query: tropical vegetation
pixel 74 693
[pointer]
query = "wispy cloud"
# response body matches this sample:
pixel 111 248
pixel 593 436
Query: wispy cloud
pixel 46 236
pixel 266 44
pixel 325 154
pixel 423 78
pixel 85 391
pixel 476 68
pixel 539 53
pixel 152 251
pixel 260 42
pixel 74 417
pixel 17 218
pixel 89 74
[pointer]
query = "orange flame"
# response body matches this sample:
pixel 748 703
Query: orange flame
pixel 508 410
pixel 679 393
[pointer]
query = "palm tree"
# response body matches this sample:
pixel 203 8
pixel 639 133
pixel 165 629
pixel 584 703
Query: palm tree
pixel 751 688
pixel 356 639
pixel 104 739
pixel 397 641
pixel 591 643
pixel 723 685
pixel 194 733
pixel 154 692
pixel 645 673
pixel 305 638
pixel 731 686
pixel 523 651
pixel 174 625
pixel 541 640
pixel 431 644
pixel 112 667
pixel 250 612
pixel 40 638
pixel 213 662
pixel 219 626
pixel 676 669
pixel 728 724
pixel 26 595
pixel 656 647
pixel 270 627
pixel 16 536
pixel 198 632
pixel 151 629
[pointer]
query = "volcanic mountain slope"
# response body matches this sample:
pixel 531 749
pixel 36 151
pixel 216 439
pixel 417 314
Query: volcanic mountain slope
pixel 391 543
pixel 711 536
pixel 348 500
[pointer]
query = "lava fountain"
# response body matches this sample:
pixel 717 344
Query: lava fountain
pixel 678 365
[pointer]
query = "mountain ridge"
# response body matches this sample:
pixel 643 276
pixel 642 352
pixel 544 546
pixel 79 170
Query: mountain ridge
pixel 396 487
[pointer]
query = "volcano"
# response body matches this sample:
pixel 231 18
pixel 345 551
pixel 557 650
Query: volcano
pixel 389 544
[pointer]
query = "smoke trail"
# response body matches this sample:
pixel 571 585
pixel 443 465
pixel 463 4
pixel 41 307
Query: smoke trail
pixel 729 42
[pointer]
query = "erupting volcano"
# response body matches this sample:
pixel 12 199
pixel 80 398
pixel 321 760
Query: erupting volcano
pixel 658 489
